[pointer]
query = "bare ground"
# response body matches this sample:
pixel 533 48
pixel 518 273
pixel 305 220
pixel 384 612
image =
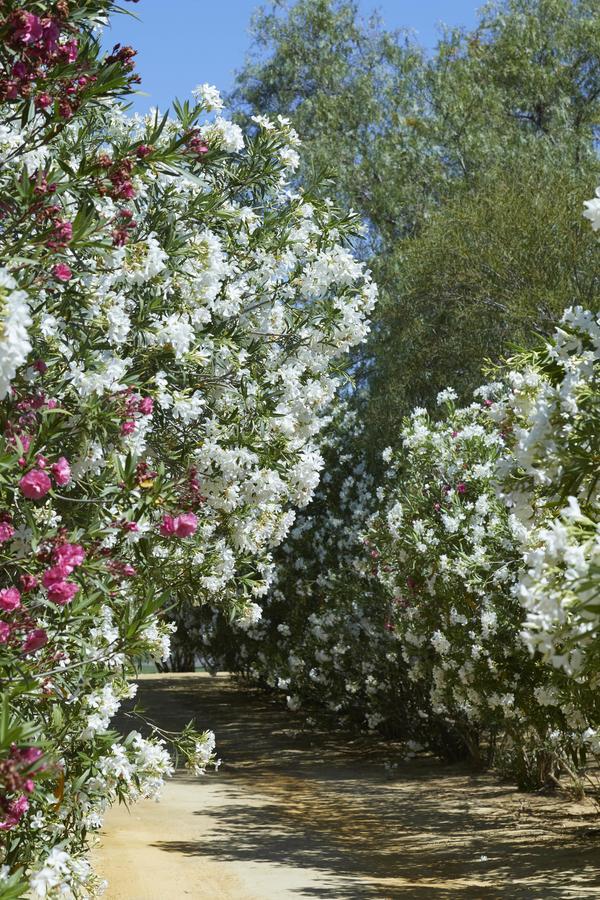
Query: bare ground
pixel 297 814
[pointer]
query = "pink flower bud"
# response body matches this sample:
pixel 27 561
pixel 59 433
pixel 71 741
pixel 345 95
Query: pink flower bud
pixel 62 272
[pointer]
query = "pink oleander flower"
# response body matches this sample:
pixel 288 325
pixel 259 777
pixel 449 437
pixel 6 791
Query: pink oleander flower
pixel 25 440
pixel 28 583
pixel 16 809
pixel 185 524
pixel 62 592
pixel 62 272
pixel 128 427
pixel 181 526
pixel 69 556
pixel 61 470
pixel 41 461
pixel 56 573
pixel 28 755
pixel 10 598
pixel 43 100
pixel 4 632
pixel 146 406
pixel 461 488
pixel 35 640
pixel 167 527
pixel 35 484
pixel 6 532
pixel 26 27
pixel 69 50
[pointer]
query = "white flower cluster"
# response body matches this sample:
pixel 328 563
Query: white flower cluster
pixel 554 409
pixel 15 319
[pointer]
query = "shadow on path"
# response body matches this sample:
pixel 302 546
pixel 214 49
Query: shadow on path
pixel 318 809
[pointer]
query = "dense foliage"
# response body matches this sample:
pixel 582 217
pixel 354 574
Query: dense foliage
pixel 459 602
pixel 171 315
pixel 460 162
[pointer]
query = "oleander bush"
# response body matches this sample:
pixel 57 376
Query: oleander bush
pixel 458 602
pixel 172 316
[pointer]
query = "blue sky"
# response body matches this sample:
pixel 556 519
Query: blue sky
pixel 182 43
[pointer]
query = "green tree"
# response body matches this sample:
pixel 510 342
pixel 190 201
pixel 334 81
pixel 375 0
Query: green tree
pixel 457 164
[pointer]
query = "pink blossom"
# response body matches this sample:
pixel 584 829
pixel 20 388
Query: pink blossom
pixel 6 532
pixel 167 527
pixel 146 406
pixel 26 27
pixel 56 573
pixel 62 592
pixel 25 440
pixel 10 598
pixel 51 33
pixel 35 640
pixel 61 471
pixel 29 755
pixel 41 461
pixel 28 583
pixel 35 484
pixel 62 272
pixel 43 100
pixel 185 524
pixel 128 427
pixel 69 50
pixel 16 809
pixel 182 526
pixel 70 555
pixel 461 488
pixel 4 632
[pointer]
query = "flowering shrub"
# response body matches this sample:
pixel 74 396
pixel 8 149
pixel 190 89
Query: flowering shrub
pixel 479 556
pixel 171 313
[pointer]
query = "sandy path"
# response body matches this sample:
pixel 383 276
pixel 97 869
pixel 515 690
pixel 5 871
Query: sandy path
pixel 295 815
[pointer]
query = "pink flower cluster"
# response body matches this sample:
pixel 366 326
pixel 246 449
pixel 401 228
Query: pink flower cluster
pixel 36 43
pixel 181 526
pixel 36 483
pixel 134 406
pixel 17 777
pixel 22 630
pixel 66 558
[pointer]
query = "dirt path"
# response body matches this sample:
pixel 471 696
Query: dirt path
pixel 292 814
